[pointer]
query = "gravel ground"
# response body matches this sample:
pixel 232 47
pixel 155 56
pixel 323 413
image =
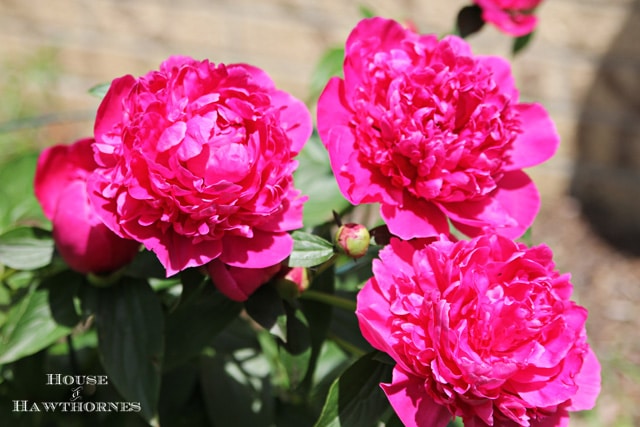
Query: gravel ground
pixel 607 283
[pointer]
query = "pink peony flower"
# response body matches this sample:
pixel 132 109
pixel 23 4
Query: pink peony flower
pixel 197 161
pixel 432 132
pixel 482 329
pixel 82 240
pixel 514 17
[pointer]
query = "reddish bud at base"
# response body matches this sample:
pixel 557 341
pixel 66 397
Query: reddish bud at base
pixel 353 239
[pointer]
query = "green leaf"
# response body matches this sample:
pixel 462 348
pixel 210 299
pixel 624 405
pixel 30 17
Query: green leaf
pixel 26 248
pixel 145 265
pixel 20 279
pixel 236 382
pixel 527 237
pixel 469 21
pixel 130 341
pixel 298 338
pixel 267 308
pixel 100 90
pixel 203 312
pixel 179 404
pixel 519 43
pixel 295 354
pixel 318 316
pixel 355 398
pixel 309 250
pixel 351 274
pixel 345 328
pixel 316 180
pixel 43 315
pixel 290 327
pixel 366 12
pixel 394 421
pixel 19 206
pixel 332 362
pixel 330 65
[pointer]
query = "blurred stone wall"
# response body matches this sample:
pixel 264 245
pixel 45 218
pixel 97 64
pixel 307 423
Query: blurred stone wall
pixel 96 40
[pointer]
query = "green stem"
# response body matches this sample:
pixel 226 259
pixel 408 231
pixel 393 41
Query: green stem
pixel 329 299
pixel 346 345
pixel 324 266
pixel 73 360
pixel 7 273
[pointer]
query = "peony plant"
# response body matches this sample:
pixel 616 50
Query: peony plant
pixel 179 262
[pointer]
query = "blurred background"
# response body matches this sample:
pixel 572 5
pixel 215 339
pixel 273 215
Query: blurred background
pixel 583 65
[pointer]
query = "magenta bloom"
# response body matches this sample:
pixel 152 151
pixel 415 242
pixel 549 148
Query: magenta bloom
pixel 514 17
pixel 197 161
pixel 432 132
pixel 82 240
pixel 481 329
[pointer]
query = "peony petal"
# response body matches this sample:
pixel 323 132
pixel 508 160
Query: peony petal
pixel 538 141
pixel 294 119
pixel 373 315
pixel 414 407
pixel 262 250
pixel 501 72
pixel 86 244
pixel 588 381
pixel 509 211
pixel 239 283
pixel 337 136
pixel 176 252
pixel 52 176
pixel 416 218
pixel 369 36
pixel 174 63
pixel 172 136
pixel 289 217
pixel 111 109
pixel 516 21
pixel 105 208
pixel 333 128
pixel 377 188
pixel 547 393
pixel 558 419
pixel 57 166
pixel 258 76
pixel 224 281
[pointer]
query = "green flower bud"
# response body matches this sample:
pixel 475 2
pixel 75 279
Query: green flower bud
pixel 353 239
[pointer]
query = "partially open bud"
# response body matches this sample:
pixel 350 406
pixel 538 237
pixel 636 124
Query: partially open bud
pixel 353 239
pixel 82 239
pixel 292 284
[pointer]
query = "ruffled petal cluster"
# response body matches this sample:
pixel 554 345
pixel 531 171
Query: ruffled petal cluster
pixel 432 132
pixel 482 329
pixel 82 240
pixel 196 162
pixel 514 17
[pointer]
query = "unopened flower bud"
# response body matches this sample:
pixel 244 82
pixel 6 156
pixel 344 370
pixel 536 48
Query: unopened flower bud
pixel 353 239
pixel 291 285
